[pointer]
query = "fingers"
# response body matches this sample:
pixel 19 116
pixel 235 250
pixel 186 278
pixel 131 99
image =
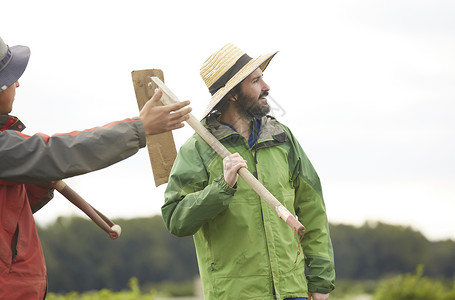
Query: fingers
pixel 180 116
pixel 235 161
pixel 177 118
pixel 232 164
pixel 161 118
pixel 181 112
pixel 175 126
pixel 156 97
pixel 178 111
pixel 177 106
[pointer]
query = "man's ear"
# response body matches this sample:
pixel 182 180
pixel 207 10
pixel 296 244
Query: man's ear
pixel 232 96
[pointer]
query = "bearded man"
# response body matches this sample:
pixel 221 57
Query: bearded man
pixel 244 250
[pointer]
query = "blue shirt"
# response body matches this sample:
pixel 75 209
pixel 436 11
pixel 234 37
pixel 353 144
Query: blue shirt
pixel 253 135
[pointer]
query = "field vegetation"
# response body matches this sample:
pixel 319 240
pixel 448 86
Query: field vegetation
pixel 375 261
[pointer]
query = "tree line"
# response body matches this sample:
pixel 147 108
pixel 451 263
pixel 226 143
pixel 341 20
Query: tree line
pixel 376 250
pixel 81 257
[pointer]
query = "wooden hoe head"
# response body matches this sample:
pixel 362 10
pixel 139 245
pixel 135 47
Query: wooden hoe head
pixel 161 147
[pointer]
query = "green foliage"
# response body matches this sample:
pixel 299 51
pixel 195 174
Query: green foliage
pixel 134 293
pixel 413 286
pixel 375 250
pixel 347 288
pixel 81 257
pixel 172 289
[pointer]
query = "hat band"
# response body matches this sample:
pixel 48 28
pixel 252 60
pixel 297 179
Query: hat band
pixel 221 82
pixel 4 62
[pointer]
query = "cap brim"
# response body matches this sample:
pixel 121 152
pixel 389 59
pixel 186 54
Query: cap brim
pixel 16 66
pixel 260 62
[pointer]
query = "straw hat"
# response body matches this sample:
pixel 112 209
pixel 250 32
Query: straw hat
pixel 13 61
pixel 226 68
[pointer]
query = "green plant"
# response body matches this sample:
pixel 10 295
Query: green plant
pixel 413 286
pixel 134 293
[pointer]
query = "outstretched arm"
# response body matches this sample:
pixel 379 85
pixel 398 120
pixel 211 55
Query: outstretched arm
pixel 42 158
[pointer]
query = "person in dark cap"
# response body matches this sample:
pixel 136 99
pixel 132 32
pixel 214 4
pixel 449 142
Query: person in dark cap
pixel 29 165
pixel 244 250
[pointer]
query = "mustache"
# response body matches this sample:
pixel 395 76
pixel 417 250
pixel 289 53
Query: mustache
pixel 264 94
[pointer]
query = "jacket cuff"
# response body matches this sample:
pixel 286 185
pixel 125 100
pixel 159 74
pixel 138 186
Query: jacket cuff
pixel 224 187
pixel 140 132
pixel 314 289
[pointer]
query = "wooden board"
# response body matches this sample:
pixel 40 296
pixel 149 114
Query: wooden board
pixel 161 147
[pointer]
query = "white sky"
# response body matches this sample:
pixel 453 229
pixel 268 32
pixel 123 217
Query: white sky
pixel 368 88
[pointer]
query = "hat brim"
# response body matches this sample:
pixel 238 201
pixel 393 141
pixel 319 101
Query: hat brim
pixel 16 66
pixel 260 62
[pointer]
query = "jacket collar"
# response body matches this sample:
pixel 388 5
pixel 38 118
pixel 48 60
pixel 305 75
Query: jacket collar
pixel 270 133
pixel 10 122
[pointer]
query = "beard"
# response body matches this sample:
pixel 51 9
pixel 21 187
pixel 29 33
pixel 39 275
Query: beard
pixel 251 107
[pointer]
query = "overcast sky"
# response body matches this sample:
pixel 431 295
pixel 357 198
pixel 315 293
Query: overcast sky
pixel 367 87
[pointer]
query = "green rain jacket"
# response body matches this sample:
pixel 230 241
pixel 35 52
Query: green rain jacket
pixel 244 250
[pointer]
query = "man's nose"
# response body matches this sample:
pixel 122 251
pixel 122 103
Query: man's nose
pixel 265 86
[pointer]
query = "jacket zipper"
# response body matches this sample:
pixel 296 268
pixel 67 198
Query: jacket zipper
pixel 262 223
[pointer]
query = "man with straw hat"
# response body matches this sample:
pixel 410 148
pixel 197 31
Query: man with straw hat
pixel 244 250
pixel 28 162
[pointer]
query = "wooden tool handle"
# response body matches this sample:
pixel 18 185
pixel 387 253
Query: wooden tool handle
pixel 101 220
pixel 280 209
